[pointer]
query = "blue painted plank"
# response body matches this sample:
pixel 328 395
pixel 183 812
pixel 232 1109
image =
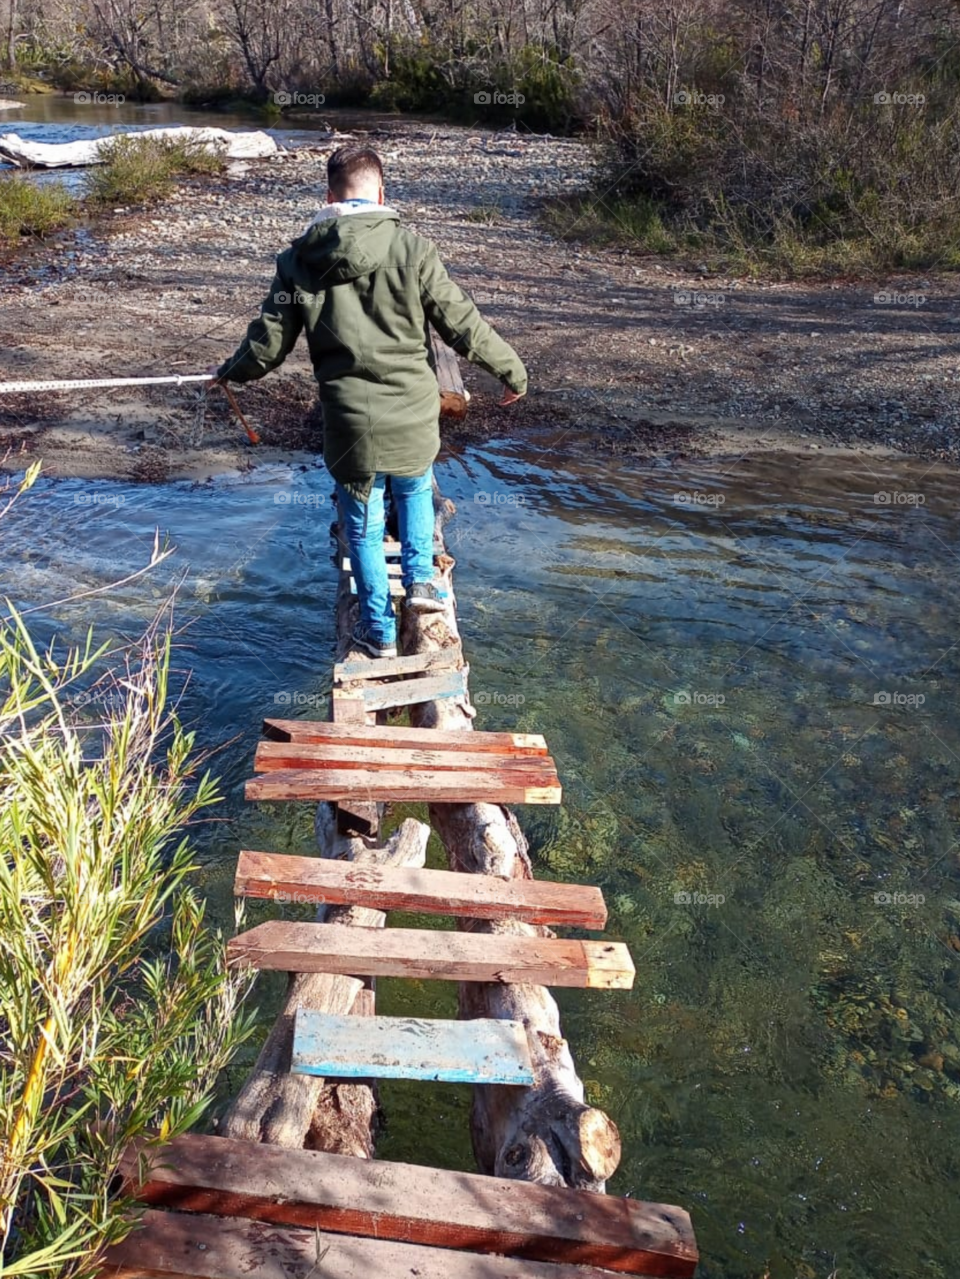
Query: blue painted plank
pixel 409 692
pixel 482 1051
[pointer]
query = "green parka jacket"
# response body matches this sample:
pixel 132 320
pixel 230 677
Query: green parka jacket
pixel 364 289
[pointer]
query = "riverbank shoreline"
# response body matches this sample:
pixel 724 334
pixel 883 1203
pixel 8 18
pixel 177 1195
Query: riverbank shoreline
pixel 628 355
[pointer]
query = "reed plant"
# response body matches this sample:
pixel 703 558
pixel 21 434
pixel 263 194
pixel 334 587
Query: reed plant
pixel 117 1012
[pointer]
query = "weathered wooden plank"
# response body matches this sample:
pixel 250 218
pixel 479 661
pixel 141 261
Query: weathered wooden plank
pixel 273 756
pixel 433 892
pixel 424 688
pixel 454 397
pixel 427 954
pixel 483 1051
pixel 381 667
pixel 393 567
pixel 180 1246
pixel 306 730
pixel 420 1205
pixel 386 786
pixel 397 588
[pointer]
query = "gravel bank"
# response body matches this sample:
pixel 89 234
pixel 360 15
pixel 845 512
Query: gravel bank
pixel 626 353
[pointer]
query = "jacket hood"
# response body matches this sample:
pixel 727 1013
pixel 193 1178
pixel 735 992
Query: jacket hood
pixel 345 241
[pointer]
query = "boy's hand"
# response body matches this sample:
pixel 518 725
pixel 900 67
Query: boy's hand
pixel 212 370
pixel 511 397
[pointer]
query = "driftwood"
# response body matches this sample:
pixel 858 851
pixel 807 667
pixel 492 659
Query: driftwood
pixel 300 1110
pixel 255 145
pixel 547 1134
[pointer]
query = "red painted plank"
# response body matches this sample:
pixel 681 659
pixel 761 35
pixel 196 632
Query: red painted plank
pixel 419 1205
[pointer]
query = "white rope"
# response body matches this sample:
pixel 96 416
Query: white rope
pixel 80 384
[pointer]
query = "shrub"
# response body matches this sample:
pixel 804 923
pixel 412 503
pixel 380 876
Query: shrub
pixel 138 170
pixel 32 208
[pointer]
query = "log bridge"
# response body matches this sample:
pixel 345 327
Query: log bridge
pixel 289 1187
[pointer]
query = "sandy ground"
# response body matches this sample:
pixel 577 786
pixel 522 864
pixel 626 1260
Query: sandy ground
pixel 627 354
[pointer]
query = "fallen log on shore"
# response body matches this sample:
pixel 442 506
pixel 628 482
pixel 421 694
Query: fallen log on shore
pixel 548 1133
pixel 255 145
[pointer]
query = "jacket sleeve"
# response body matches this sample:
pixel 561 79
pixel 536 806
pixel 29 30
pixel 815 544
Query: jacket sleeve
pixel 270 337
pixel 463 328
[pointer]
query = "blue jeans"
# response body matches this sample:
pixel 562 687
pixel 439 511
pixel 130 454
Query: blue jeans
pixel 363 525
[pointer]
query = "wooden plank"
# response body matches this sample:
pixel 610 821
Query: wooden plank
pixel 393 567
pixel 421 1205
pixel 431 892
pixel 410 692
pixel 195 1246
pixel 272 756
pixel 480 1051
pixel 380 667
pixel 409 784
pixel 349 709
pixel 306 730
pixel 454 396
pixel 397 588
pixel 429 955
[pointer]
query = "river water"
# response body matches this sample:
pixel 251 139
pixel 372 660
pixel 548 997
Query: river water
pixel 747 674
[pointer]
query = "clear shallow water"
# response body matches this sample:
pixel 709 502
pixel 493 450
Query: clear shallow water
pixel 777 845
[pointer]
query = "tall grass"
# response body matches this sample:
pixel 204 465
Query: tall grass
pixel 116 1011
pixel 30 208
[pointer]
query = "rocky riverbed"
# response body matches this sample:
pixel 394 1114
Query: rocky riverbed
pixel 626 352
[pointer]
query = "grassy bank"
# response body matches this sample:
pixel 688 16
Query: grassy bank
pixel 136 171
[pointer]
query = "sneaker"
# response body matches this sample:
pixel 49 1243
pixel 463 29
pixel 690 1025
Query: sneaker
pixel 424 597
pixel 376 648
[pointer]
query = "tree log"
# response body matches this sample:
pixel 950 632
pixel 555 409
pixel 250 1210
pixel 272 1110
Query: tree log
pixel 547 1134
pixel 300 1110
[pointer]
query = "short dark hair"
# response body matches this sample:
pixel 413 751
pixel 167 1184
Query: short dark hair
pixel 348 164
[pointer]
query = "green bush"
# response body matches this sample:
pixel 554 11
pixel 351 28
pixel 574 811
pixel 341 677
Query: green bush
pixel 139 170
pixel 32 208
